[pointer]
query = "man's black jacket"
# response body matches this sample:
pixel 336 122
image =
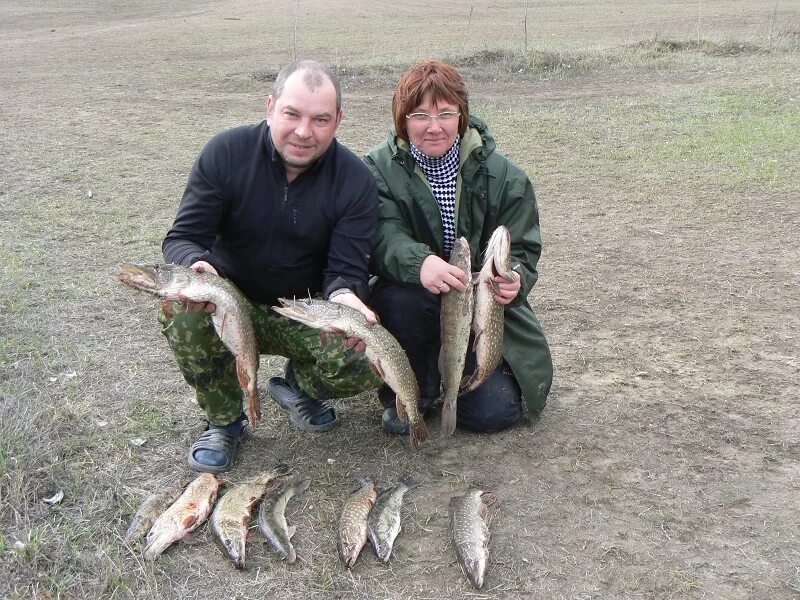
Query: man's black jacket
pixel 269 237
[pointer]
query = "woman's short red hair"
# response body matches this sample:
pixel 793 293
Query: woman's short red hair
pixel 442 81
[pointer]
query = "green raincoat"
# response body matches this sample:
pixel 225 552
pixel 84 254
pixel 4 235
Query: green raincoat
pixel 491 191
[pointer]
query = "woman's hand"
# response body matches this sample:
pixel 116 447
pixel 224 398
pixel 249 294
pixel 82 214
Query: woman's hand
pixel 504 290
pixel 439 276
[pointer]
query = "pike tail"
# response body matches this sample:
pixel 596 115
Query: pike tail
pixel 449 415
pixel 418 433
pixel 251 390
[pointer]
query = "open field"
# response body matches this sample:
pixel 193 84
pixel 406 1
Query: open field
pixel 664 143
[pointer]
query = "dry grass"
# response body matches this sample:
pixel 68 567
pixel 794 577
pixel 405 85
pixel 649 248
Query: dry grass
pixel 667 173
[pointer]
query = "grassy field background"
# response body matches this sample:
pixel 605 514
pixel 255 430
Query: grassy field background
pixel 662 139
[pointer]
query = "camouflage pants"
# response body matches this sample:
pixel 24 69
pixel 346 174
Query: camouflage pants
pixel 323 371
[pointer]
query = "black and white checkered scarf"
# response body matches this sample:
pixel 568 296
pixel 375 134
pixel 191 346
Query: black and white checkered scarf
pixel 442 174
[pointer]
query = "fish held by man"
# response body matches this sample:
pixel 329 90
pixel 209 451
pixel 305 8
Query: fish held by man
pixel 456 323
pixel 387 357
pixel 471 533
pixel 272 517
pixel 230 521
pixel 230 317
pixel 152 507
pixel 185 515
pixel 383 521
pixel 488 315
pixel 352 530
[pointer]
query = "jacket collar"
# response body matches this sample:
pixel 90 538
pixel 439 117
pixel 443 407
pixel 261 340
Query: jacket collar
pixel 477 140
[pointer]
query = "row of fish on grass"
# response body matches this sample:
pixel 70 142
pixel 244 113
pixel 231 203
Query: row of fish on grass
pixel 232 323
pixel 172 513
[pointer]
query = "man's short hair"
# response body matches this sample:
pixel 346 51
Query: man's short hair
pixel 315 71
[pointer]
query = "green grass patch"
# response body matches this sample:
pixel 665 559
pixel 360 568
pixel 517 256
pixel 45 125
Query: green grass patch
pixel 745 139
pixel 729 139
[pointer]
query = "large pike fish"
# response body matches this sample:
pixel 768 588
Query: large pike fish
pixel 185 515
pixel 456 321
pixel 152 507
pixel 231 319
pixel 230 521
pixel 487 318
pixel 471 534
pixel 387 357
pixel 383 522
pixel 353 522
pixel 272 517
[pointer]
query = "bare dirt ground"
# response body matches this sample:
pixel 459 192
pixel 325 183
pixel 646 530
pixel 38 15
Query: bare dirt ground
pixel 666 462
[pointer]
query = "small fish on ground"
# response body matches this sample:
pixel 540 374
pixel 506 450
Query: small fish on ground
pixel 488 314
pixel 185 515
pixel 230 318
pixel 152 507
pixel 272 517
pixel 230 521
pixel 353 522
pixel 385 354
pixel 471 533
pixel 456 322
pixel 383 522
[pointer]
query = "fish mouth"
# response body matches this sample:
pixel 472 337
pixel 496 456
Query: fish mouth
pixel 143 275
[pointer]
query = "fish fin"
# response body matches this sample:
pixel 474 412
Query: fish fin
pixel 466 384
pixel 410 481
pixel 221 326
pixel 490 499
pixel 418 433
pixel 401 409
pixel 326 337
pixel 449 416
pixel 168 308
pixel 478 335
pixel 251 390
pixel 377 368
pixel 291 531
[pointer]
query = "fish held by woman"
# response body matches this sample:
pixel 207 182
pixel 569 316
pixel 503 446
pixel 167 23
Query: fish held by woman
pixel 488 315
pixel 456 322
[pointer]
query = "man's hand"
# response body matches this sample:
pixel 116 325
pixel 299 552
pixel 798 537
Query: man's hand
pixel 354 301
pixel 439 276
pixel 201 266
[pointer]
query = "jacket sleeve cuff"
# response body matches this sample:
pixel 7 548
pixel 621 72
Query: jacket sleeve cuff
pixel 359 288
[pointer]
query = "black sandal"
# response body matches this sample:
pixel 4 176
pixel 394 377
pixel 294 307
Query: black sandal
pixel 217 439
pixel 303 409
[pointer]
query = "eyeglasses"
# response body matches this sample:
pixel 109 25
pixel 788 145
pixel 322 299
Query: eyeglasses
pixel 442 117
